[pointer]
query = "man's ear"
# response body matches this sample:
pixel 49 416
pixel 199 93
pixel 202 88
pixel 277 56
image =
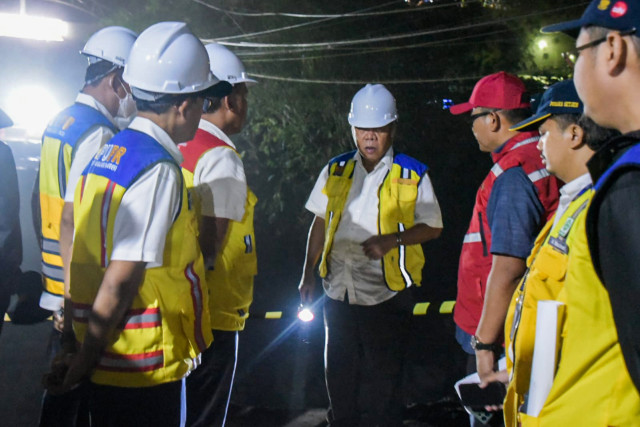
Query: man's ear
pixel 228 103
pixel 183 106
pixel 575 135
pixel 617 49
pixel 496 121
pixel 113 81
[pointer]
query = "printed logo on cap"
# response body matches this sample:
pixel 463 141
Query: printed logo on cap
pixel 619 9
pixel 604 4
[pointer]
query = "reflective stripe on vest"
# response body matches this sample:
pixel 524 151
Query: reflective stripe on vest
pixel 140 362
pixel 140 318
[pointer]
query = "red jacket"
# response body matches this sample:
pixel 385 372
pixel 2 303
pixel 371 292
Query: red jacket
pixel 202 141
pixel 476 258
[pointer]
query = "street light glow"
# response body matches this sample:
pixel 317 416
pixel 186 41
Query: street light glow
pixel 542 44
pixel 26 26
pixel 31 107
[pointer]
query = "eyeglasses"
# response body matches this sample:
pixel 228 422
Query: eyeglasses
pixel 472 118
pixel 571 56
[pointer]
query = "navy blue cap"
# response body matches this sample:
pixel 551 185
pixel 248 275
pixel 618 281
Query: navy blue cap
pixel 618 15
pixel 5 121
pixel 560 98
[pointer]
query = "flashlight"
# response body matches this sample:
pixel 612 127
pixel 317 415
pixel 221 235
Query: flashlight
pixel 305 314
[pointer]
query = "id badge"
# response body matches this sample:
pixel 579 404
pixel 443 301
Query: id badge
pixel 559 244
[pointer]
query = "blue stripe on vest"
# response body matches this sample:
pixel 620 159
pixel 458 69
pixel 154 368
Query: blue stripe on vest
pixel 84 118
pixel 629 158
pixel 344 157
pixel 126 156
pixel 405 161
pixel 400 159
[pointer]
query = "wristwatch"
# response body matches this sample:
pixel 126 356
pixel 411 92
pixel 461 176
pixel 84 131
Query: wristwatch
pixel 478 345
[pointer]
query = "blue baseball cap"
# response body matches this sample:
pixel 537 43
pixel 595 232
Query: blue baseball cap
pixel 621 15
pixel 560 98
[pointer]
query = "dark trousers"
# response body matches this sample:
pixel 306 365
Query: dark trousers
pixel 364 355
pixel 5 298
pixel 158 406
pixel 209 386
pixel 66 410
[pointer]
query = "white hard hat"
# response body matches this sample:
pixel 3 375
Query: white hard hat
pixel 225 65
pixel 112 44
pixel 168 59
pixel 373 106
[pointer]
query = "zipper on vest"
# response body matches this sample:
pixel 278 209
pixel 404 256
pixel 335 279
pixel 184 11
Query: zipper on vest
pixel 482 238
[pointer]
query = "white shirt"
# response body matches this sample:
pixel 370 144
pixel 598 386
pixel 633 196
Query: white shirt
pixel 219 179
pixel 350 270
pixel 149 207
pixel 569 192
pixel 88 146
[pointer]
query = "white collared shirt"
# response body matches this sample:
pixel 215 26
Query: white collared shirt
pixel 88 146
pixel 220 180
pixel 350 270
pixel 569 192
pixel 149 207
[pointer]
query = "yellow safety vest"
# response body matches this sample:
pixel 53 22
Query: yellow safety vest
pixel 167 326
pixel 402 266
pixel 230 283
pixel 591 386
pixel 59 142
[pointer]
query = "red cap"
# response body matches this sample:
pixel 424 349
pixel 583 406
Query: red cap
pixel 500 90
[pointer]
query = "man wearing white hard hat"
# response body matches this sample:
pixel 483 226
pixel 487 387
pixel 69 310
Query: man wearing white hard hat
pixel 213 168
pixel 373 208
pixel 140 308
pixel 71 139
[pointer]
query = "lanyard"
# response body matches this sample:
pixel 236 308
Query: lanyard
pixel 559 244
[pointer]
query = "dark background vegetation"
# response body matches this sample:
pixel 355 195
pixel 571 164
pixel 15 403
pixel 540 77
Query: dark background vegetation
pixel 297 121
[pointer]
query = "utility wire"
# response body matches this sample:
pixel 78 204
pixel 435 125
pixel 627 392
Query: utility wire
pixel 290 27
pixel 359 51
pixel 392 37
pixel 332 16
pixel 360 82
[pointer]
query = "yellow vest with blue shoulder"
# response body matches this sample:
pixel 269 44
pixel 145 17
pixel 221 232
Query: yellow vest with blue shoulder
pixel 401 266
pixel 230 283
pixel 591 385
pixel 59 144
pixel 167 326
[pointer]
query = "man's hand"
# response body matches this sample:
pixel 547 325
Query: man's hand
pixel 58 320
pixel 376 247
pixel 307 289
pixel 485 362
pixel 54 379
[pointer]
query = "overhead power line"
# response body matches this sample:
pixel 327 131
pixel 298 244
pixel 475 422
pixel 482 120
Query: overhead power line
pixel 391 37
pixel 248 56
pixel 335 15
pixel 290 27
pixel 361 82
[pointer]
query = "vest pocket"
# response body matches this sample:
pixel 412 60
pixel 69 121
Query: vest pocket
pixel 404 192
pixel 551 264
pixel 336 186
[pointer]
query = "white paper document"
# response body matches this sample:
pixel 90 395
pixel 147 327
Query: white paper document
pixel 545 353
